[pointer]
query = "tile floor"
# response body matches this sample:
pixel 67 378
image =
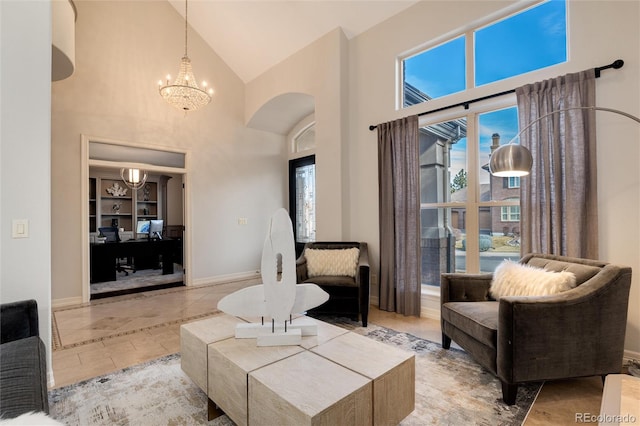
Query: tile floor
pixel 109 334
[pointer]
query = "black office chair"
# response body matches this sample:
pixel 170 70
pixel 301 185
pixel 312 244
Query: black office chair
pixel 111 232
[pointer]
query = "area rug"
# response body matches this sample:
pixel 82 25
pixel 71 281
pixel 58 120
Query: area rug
pixel 451 389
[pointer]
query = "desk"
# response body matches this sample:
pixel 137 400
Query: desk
pixel 104 255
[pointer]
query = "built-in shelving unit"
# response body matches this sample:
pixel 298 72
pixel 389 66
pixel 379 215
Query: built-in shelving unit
pixel 112 203
pixel 147 202
pixel 92 205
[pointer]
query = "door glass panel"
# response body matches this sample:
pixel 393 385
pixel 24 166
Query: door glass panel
pixel 305 177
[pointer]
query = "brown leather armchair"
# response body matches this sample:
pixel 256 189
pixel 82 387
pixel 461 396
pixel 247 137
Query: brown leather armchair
pixel 348 296
pixel 576 333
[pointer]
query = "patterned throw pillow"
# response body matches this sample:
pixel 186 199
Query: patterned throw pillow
pixel 516 279
pixel 325 262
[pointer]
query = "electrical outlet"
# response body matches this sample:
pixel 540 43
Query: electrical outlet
pixel 242 221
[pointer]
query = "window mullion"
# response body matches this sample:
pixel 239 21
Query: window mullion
pixel 469 57
pixel 473 196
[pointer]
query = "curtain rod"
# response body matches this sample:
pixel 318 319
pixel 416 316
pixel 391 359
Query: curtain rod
pixel 617 64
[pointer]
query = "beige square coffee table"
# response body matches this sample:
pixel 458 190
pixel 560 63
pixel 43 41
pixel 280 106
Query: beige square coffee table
pixel 195 338
pixel 231 361
pixel 307 389
pixel 311 383
pixel 391 371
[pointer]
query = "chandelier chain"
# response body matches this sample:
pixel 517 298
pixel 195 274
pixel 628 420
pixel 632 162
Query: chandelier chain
pixel 185 28
pixel 184 93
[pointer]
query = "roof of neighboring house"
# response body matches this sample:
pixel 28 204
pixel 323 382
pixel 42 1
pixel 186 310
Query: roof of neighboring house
pixel 461 195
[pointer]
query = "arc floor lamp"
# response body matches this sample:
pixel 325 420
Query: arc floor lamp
pixel 514 159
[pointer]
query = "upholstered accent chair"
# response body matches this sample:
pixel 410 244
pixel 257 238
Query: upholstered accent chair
pixel 342 270
pixel 576 333
pixel 23 365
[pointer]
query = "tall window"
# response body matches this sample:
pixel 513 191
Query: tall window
pixel 532 39
pixel 446 72
pixel 470 219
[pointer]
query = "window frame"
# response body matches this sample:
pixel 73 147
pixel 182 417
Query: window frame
pixel 508 212
pixel 470 70
pixel 515 184
pixel 473 204
pixel 295 149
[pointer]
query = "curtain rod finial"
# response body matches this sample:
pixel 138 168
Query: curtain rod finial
pixel 372 127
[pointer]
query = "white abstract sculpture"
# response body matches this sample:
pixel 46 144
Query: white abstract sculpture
pixel 277 299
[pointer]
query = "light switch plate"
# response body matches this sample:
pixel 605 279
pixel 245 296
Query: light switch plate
pixel 20 228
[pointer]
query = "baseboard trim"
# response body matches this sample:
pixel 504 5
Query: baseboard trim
pixel 51 381
pixel 630 355
pixel 218 279
pixel 68 301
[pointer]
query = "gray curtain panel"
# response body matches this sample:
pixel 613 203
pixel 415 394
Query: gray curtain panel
pixel 558 199
pixel 399 198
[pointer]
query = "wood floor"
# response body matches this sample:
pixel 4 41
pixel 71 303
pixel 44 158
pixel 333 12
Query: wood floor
pixel 114 333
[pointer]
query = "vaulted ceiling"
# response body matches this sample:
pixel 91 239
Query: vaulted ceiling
pixel 253 36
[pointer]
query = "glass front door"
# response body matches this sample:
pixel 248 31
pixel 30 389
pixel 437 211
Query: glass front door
pixel 302 200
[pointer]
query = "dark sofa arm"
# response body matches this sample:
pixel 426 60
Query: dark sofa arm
pixel 456 287
pixel 301 269
pixel 363 263
pixel 576 333
pixel 18 320
pixel 363 278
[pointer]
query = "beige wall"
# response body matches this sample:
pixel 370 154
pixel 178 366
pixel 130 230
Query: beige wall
pixel 372 96
pixel 122 50
pixel 319 70
pixel 25 157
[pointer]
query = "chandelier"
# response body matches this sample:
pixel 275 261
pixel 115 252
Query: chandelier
pixel 133 178
pixel 184 93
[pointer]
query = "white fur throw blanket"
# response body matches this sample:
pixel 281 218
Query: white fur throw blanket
pixel 515 279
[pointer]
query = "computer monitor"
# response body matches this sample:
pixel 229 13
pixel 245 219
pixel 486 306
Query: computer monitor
pixel 143 227
pixel 155 228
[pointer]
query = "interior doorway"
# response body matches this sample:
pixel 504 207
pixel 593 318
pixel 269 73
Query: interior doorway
pixel 159 201
pixel 142 261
